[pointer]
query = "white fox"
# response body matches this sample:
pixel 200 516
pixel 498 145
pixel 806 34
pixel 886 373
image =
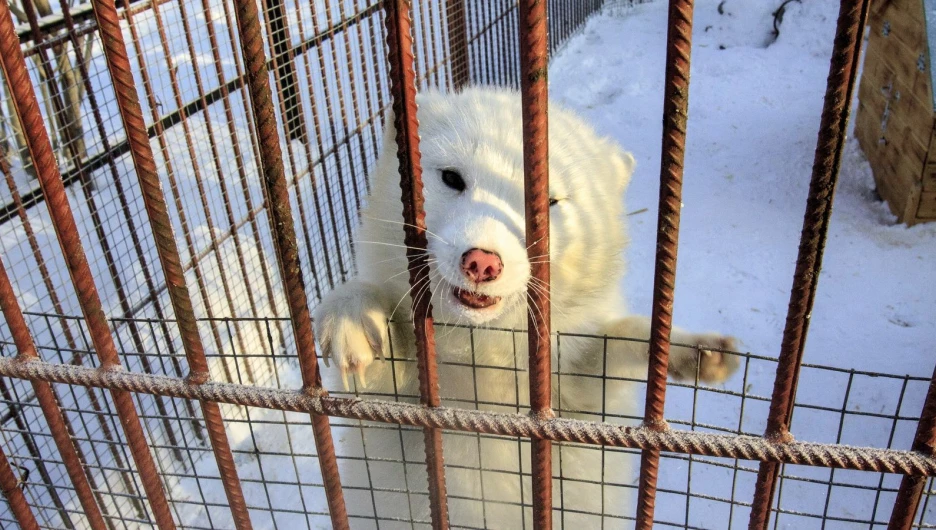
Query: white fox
pixel 472 160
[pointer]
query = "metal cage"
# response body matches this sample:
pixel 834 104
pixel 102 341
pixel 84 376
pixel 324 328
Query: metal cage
pixel 125 125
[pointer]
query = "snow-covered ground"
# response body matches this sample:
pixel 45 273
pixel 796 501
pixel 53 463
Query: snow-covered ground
pixel 755 103
pixel 753 121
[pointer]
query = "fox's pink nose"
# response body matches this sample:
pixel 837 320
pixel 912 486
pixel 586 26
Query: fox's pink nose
pixel 481 265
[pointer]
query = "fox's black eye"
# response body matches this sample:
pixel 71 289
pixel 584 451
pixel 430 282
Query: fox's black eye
pixel 553 202
pixel 452 179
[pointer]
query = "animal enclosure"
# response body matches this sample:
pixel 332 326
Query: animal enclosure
pixel 894 122
pixel 205 147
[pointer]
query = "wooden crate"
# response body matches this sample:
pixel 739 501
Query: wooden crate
pixel 896 111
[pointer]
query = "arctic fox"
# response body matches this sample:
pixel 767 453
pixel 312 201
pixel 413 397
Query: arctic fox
pixel 472 160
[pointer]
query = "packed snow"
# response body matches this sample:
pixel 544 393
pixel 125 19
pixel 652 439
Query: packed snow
pixel 755 103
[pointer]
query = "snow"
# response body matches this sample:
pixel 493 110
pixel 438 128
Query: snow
pixel 753 121
pixel 755 102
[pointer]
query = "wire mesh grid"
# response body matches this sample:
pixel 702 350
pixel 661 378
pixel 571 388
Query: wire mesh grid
pixel 382 465
pixel 331 96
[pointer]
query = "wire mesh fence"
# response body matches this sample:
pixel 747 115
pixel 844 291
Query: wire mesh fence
pixel 278 464
pixel 186 106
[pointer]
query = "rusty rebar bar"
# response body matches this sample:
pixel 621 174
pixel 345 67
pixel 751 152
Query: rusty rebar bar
pixel 239 159
pixel 675 116
pixel 534 61
pixel 131 114
pixel 32 448
pixel 174 188
pixel 75 151
pixel 10 487
pixel 66 331
pixel 125 207
pixel 50 408
pixel 843 73
pixel 27 108
pixel 398 19
pixel 911 486
pixel 193 149
pixel 498 423
pixel 287 250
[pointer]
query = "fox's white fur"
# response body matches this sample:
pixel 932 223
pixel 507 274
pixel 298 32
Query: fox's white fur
pixel 478 134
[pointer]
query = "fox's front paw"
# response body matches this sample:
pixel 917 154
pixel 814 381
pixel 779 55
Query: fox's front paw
pixel 351 327
pixel 707 358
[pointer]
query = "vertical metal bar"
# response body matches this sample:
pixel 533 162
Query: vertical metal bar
pixel 675 114
pixel 29 440
pixel 199 182
pixel 843 72
pixel 96 112
pixel 72 146
pixel 112 266
pixel 27 108
pixel 287 251
pixel 50 408
pixel 167 161
pixel 534 60
pixel 131 114
pixel 109 255
pixel 235 145
pixel 458 42
pixel 9 484
pixel 911 487
pixel 216 159
pixel 403 90
pixel 57 307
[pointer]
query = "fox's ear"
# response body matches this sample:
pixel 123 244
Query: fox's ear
pixel 625 168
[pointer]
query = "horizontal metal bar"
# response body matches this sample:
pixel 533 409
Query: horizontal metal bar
pixel 505 424
pixel 72 175
pixel 80 14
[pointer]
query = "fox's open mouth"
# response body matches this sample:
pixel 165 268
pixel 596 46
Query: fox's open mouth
pixel 475 300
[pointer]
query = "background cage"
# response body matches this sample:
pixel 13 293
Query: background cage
pixel 203 117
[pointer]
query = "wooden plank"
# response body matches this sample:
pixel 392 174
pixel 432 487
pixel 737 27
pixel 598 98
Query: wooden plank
pixel 888 60
pixel 902 61
pixel 896 171
pixel 929 174
pixel 903 133
pixel 927 206
pixel 905 19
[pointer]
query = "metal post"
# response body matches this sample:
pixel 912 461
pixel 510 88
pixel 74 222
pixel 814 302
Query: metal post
pixel 27 108
pixel 843 73
pixel 131 114
pixel 403 90
pixel 675 116
pixel 287 250
pixel 533 26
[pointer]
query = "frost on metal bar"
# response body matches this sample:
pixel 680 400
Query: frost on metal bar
pixel 675 114
pixel 499 423
pixel 40 148
pixel 843 73
pixel 286 245
pixel 403 91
